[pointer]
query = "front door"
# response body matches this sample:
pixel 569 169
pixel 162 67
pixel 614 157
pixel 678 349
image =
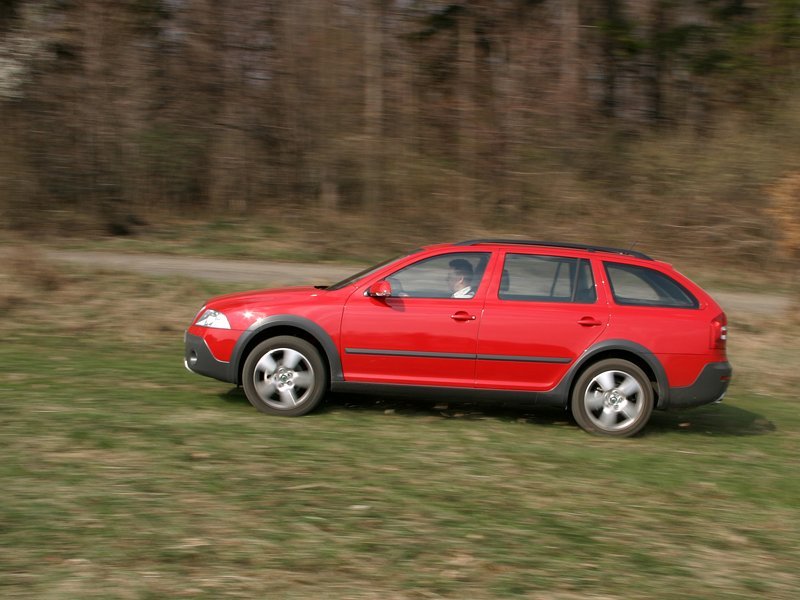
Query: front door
pixel 426 332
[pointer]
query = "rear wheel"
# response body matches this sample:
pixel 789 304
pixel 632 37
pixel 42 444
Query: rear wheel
pixel 284 375
pixel 612 397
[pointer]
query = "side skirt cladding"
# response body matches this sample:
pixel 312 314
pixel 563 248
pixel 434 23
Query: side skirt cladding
pixel 456 394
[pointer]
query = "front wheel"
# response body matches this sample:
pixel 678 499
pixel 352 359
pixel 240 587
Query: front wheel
pixel 284 375
pixel 612 397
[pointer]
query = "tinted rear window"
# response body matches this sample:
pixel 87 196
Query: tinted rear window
pixel 640 286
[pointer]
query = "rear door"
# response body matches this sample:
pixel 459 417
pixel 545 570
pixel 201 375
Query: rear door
pixel 541 312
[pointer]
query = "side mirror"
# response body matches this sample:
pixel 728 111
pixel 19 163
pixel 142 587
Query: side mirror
pixel 380 289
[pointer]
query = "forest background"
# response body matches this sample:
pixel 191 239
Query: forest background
pixel 671 124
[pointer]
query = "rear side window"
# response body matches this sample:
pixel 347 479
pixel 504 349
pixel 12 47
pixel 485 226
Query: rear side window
pixel 640 286
pixel 535 278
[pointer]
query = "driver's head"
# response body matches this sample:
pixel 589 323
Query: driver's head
pixel 460 275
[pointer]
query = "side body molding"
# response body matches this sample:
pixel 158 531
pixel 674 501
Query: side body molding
pixel 559 396
pixel 257 330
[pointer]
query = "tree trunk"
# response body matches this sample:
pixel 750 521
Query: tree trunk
pixel 570 80
pixel 467 142
pixel 373 105
pixel 612 18
pixel 655 68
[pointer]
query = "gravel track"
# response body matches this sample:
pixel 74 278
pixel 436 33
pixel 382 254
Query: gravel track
pixel 271 273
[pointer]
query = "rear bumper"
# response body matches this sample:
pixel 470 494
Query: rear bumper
pixel 710 386
pixel 198 359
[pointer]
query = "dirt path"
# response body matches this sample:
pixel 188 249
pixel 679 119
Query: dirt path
pixel 256 273
pixel 269 273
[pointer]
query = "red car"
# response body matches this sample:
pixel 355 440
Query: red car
pixel 610 334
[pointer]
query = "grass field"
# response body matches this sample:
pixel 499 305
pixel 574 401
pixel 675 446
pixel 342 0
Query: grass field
pixel 124 476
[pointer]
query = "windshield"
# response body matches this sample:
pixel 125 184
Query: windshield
pixel 365 272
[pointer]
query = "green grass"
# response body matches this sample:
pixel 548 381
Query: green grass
pixel 124 476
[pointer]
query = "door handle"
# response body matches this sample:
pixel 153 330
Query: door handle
pixel 462 316
pixel 589 322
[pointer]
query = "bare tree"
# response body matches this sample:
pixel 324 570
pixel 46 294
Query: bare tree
pixel 373 102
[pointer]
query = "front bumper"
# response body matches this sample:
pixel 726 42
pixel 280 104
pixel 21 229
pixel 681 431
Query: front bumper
pixel 198 359
pixel 710 386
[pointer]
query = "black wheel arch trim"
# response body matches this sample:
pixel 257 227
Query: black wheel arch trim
pixel 306 325
pixel 627 346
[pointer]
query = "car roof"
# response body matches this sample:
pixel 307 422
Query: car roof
pixel 547 244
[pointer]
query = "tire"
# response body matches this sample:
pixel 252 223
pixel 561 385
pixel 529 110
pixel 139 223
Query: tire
pixel 285 376
pixel 612 397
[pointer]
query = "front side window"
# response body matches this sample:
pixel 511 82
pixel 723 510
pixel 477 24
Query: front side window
pixel 535 278
pixel 456 275
pixel 640 286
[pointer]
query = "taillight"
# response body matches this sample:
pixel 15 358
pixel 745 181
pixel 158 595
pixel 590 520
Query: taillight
pixel 719 332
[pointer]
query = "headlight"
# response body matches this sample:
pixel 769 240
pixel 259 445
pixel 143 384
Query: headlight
pixel 212 318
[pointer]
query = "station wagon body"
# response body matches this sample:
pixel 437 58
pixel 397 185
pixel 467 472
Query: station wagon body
pixel 607 333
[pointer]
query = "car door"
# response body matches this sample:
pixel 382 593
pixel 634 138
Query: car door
pixel 541 313
pixel 421 334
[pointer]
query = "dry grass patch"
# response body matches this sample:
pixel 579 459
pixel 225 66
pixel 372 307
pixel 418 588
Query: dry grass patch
pixel 87 304
pixel 765 353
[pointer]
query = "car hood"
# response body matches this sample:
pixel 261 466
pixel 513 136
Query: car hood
pixel 270 297
pixel 245 310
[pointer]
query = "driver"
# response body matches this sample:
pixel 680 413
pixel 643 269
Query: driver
pixel 459 278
